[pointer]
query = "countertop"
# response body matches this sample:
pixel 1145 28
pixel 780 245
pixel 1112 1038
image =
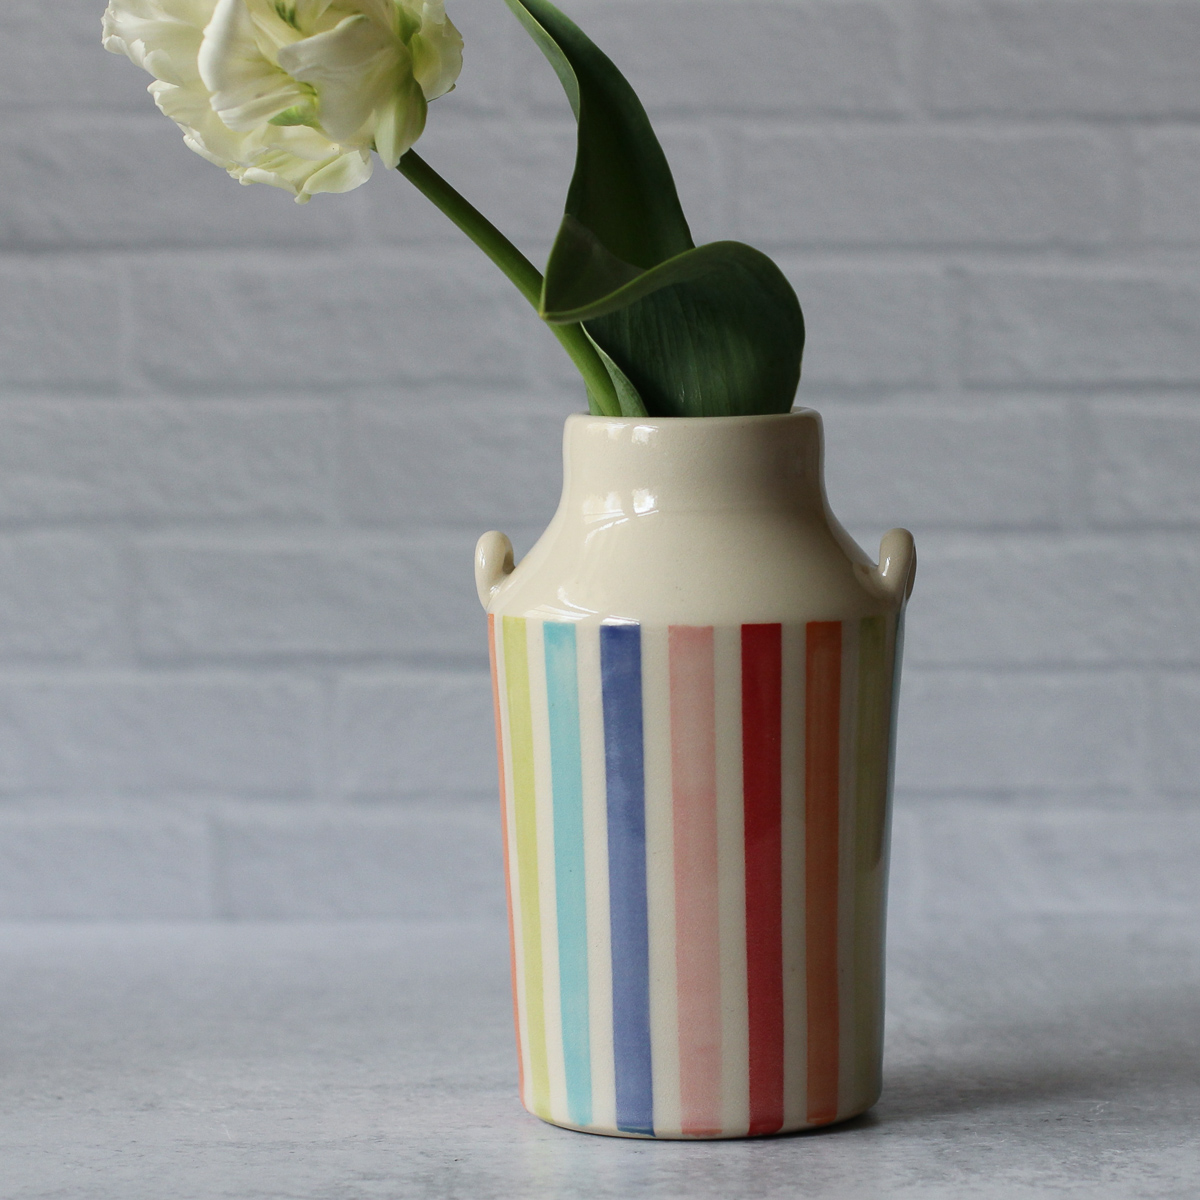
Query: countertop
pixel 1025 1057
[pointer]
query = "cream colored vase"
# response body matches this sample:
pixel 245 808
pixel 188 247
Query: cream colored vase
pixel 695 676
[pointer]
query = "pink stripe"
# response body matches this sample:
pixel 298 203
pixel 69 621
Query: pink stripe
pixel 697 941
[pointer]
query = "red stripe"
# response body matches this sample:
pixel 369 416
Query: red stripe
pixel 762 658
pixel 822 740
pixel 512 941
pixel 697 914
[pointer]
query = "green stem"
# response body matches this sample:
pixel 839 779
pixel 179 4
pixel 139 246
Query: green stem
pixel 602 395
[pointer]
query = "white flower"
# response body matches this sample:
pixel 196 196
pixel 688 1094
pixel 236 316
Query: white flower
pixel 294 93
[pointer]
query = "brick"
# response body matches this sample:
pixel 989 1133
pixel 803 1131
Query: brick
pixel 443 464
pixel 1080 328
pixel 51 58
pixel 1071 57
pixel 84 182
pixel 1038 602
pixel 319 321
pixel 58 595
pixel 419 734
pixel 90 867
pixel 59 324
pixel 1144 465
pixel 1169 182
pixel 1174 746
pixel 1006 466
pixel 417 861
pixel 839 57
pixel 97 460
pixel 382 598
pixel 870 328
pixel 923 187
pixel 142 735
pixel 978 861
pixel 979 732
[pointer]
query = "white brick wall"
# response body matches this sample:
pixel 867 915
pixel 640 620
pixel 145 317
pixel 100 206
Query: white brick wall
pixel 246 446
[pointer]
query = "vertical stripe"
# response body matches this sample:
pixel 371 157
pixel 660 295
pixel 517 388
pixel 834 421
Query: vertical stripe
pixel 697 941
pixel 621 675
pixel 731 881
pixel 821 787
pixel 660 879
pixel 791 837
pixel 871 807
pixel 514 865
pixel 595 853
pixel 762 649
pixel 562 688
pixel 543 791
pixel 847 841
pixel 520 718
pixel 512 944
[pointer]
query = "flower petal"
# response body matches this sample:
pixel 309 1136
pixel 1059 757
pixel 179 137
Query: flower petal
pixel 437 51
pixel 343 174
pixel 247 89
pixel 400 123
pixel 356 69
pixel 161 38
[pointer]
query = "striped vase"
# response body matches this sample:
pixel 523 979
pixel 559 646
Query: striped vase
pixel 695 747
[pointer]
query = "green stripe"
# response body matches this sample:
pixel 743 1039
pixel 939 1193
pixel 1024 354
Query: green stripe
pixel 871 776
pixel 520 734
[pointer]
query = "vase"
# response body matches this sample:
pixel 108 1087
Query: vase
pixel 695 676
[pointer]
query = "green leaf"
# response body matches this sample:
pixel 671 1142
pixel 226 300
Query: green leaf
pixel 718 332
pixel 693 332
pixel 622 190
pixel 627 395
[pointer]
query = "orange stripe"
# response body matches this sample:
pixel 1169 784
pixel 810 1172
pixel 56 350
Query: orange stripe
pixel 822 743
pixel 512 941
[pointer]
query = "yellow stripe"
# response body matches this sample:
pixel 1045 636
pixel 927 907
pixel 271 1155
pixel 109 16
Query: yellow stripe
pixel 520 725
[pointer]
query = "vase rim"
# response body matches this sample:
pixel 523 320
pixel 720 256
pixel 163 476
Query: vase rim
pixel 739 419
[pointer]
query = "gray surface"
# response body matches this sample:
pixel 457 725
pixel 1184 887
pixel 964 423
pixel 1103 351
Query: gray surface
pixel 1025 1058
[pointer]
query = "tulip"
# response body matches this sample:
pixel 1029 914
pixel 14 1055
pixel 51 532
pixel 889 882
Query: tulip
pixel 292 93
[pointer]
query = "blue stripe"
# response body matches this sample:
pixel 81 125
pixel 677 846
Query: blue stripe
pixel 566 773
pixel 621 675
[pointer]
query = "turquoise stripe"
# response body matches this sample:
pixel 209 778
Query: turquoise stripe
pixel 566 772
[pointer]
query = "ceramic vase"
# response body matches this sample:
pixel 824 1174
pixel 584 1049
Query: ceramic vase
pixel 695 676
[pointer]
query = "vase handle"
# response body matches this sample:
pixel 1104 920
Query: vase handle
pixel 493 564
pixel 893 578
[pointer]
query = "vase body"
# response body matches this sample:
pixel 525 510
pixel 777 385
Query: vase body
pixel 695 676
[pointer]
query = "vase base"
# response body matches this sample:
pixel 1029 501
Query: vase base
pixel 672 1136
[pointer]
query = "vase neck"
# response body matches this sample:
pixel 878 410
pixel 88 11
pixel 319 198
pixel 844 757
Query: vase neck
pixel 635 466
